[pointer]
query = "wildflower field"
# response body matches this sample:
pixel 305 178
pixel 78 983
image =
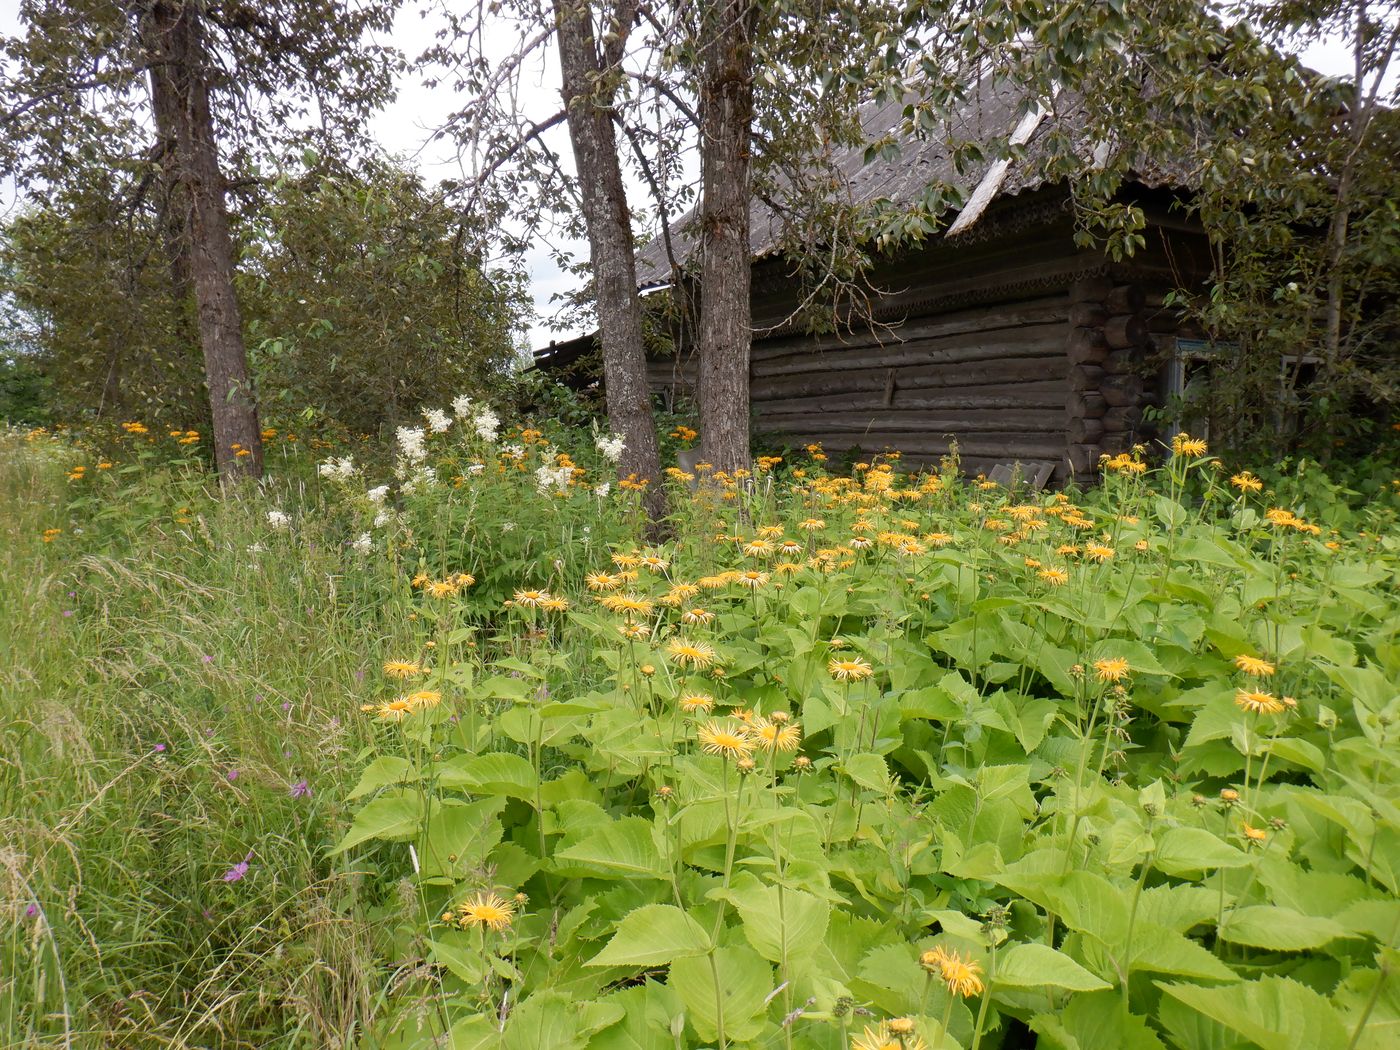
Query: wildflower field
pixel 435 750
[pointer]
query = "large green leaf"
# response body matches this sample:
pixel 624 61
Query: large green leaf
pixel 653 935
pixel 1039 966
pixel 555 1020
pixel 1187 851
pixel 1095 1021
pixel 392 817
pixel 1280 929
pixel 497 773
pixel 738 978
pixel 646 1021
pixel 383 771
pixel 623 849
pixel 1274 1012
pixel 780 923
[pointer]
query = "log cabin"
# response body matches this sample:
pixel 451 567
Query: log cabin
pixel 1001 335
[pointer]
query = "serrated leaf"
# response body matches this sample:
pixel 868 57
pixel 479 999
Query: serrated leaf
pixel 744 981
pixel 653 935
pixel 622 849
pixel 1037 966
pixel 382 772
pixel 1184 851
pixel 497 773
pixel 1274 1012
pixel 780 923
pixel 391 818
pixel 1278 929
pixel 868 770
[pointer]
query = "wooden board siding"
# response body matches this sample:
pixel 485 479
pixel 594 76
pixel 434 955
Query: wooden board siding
pixel 993 378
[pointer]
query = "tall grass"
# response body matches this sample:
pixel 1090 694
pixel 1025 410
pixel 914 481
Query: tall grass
pixel 162 696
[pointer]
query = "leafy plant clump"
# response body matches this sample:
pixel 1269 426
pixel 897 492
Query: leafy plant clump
pixel 868 761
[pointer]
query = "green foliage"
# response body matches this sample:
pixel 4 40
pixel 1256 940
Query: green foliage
pixel 927 777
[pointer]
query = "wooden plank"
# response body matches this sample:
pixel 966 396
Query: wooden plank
pixel 1003 372
pixel 999 420
pixel 1047 394
pixel 1041 340
pixel 997 446
pixel 1046 310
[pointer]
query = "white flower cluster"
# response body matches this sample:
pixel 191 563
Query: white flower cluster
pixel 438 420
pixel 611 446
pixel 278 520
pixel 363 543
pixel 337 469
pixel 411 444
pixel 423 477
pixel 378 495
pixel 475 468
pixel 602 490
pixel 487 423
pixel 553 479
pixel 461 404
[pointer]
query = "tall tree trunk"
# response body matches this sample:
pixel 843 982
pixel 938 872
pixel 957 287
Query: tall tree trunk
pixel 180 94
pixel 726 122
pixel 588 91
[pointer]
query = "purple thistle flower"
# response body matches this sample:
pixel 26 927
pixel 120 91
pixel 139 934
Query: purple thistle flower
pixel 287 705
pixel 67 612
pixel 301 789
pixel 158 748
pixel 232 775
pixel 238 870
pixel 208 659
pixel 32 910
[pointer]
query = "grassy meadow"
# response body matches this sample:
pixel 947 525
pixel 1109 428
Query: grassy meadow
pixel 427 747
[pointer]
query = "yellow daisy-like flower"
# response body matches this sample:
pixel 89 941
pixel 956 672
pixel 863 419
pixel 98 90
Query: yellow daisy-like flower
pixel 771 735
pixel 421 580
pixel 696 703
pixel 633 632
pixel 716 738
pixel 771 532
pixel 1253 834
pixel 440 589
pixel 655 563
pixel 1112 669
pixel 490 910
pixel 860 543
pixel 630 604
pixel 811 524
pixel 963 976
pixel 626 561
pixel 553 604
pixel 680 592
pixel 789 548
pixel 752 578
pixel 602 581
pixel 691 654
pixel 1259 703
pixel 885 1037
pixel 1254 665
pixel 852 669
pixel 758 548
pixel 697 615
pixel 1193 447
pixel 531 599
pixel 714 583
pixel 1098 552
pixel 463 579
pixel 424 698
pixel 395 710
pixel 1279 516
pixel 1246 482
pixel 402 669
pixel 1054 577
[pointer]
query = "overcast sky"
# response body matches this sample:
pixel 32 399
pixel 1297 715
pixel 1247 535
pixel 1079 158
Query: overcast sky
pixel 405 129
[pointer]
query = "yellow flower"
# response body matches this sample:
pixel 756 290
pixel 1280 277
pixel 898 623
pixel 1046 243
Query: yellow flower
pixel 490 910
pixel 395 710
pixel 886 1037
pixel 1112 669
pixel 1254 665
pixel 602 581
pixel 1099 552
pixel 758 548
pixel 626 561
pixel 696 703
pixel 402 669
pixel 440 589
pixel 811 524
pixel 691 654
pixel 1259 703
pixel 771 532
pixel 753 579
pixel 1183 444
pixel 1246 482
pixel 1054 577
pixel 630 604
pixel 774 735
pixel 853 669
pixel 531 599
pixel 424 698
pixel 554 604
pixel 716 738
pixel 1279 516
pixel 633 632
pixel 962 976
pixel 697 615
pixel 680 592
pixel 1253 834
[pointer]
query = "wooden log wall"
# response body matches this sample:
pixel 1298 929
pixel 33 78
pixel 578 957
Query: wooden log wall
pixel 1108 343
pixel 992 378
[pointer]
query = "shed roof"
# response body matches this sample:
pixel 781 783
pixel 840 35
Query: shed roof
pixel 993 110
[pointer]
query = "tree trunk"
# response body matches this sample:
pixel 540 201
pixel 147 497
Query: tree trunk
pixel 180 94
pixel 726 121
pixel 588 90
